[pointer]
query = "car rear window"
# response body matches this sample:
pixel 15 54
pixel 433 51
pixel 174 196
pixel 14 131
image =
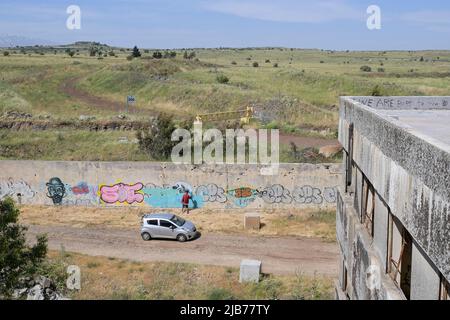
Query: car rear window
pixel 152 222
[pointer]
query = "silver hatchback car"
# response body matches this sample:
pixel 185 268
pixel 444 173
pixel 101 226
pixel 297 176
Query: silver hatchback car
pixel 167 226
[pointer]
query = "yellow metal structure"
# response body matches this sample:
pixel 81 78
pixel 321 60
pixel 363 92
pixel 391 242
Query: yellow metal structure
pixel 243 115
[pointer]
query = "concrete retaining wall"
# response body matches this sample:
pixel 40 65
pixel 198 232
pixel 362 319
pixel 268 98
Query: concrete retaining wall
pixel 160 185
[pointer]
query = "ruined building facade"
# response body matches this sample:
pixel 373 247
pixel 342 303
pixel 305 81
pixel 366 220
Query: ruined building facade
pixel 393 206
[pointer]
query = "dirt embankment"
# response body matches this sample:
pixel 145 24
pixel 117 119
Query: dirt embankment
pixel 100 125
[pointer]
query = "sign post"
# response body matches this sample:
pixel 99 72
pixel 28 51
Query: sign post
pixel 130 101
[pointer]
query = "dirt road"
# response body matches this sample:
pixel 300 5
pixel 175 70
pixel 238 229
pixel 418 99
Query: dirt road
pixel 69 87
pixel 278 255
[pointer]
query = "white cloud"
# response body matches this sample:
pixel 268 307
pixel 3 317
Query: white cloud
pixel 306 11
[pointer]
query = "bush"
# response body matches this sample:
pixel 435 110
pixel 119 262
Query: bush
pixel 6 53
pixel 157 55
pixel 255 64
pixel 129 58
pixel 275 65
pixel 267 61
pixel 234 63
pixel 156 142
pixel 376 91
pixel 366 69
pixel 17 259
pixel 221 78
pixel 381 70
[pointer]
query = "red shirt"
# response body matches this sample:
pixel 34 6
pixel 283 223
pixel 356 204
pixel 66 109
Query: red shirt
pixel 185 199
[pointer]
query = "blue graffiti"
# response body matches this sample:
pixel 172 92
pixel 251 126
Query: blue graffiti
pixel 169 198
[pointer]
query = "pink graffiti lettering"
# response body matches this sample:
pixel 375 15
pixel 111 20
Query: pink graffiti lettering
pixel 122 193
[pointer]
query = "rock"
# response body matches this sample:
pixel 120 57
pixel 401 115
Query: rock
pixel 330 151
pixel 18 293
pixel 35 293
pixel 86 118
pixel 43 282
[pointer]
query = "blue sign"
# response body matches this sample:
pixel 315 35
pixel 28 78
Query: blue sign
pixel 131 99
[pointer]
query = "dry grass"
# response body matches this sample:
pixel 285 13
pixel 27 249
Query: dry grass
pixel 301 223
pixel 109 278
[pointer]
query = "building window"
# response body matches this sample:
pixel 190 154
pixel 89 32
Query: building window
pixel 445 289
pixel 368 206
pixel 400 255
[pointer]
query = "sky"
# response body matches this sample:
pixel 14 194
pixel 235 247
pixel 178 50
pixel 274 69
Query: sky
pixel 322 24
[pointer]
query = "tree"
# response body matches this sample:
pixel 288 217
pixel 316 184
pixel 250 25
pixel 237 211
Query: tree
pixel 17 259
pixel 136 53
pixel 156 142
pixel 157 55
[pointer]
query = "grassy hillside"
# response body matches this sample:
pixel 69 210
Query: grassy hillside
pixel 294 90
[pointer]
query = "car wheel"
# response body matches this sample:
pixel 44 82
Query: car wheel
pixel 181 238
pixel 146 236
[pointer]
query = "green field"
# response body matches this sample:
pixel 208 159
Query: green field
pixel 295 90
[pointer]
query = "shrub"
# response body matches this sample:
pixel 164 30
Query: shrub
pixel 6 53
pixel 17 259
pixel 157 55
pixel 275 65
pixel 233 62
pixel 221 78
pixel 376 91
pixel 129 58
pixel 380 69
pixel 267 61
pixel 366 69
pixel 156 142
pixel 255 64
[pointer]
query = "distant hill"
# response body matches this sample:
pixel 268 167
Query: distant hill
pixel 8 41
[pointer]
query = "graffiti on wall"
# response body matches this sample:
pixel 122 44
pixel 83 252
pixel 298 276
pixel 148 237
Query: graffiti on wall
pixel 18 190
pixel 242 197
pixel 56 190
pixel 211 193
pixel 170 196
pixel 81 194
pixel 122 193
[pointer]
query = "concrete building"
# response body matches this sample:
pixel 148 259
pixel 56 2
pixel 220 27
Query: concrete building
pixel 393 206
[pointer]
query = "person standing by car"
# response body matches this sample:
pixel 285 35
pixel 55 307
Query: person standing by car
pixel 185 202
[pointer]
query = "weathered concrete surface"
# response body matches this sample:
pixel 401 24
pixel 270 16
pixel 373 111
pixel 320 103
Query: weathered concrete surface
pixel 161 185
pixel 252 221
pixel 249 271
pixel 366 278
pixel 407 165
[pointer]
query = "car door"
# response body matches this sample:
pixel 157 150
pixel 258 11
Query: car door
pixel 167 229
pixel 151 225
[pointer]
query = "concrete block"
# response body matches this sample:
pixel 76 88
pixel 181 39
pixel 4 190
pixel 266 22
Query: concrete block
pixel 250 271
pixel 252 221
